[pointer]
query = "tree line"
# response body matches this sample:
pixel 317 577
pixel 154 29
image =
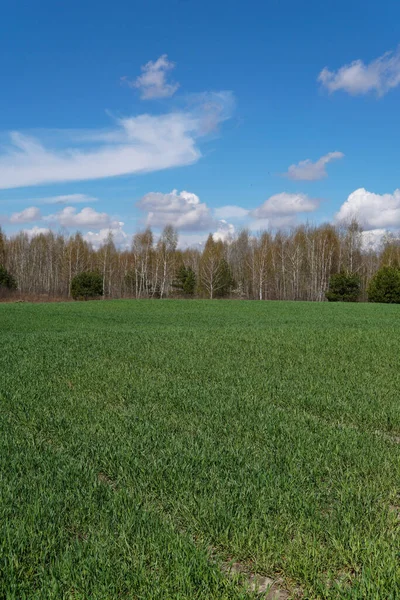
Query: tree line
pixel 272 265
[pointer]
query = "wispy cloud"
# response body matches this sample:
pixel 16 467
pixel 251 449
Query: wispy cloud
pixel 306 170
pixel 153 81
pixel 67 199
pixel 356 78
pixel 231 211
pixel 134 145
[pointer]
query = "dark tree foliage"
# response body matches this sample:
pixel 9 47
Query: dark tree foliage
pixel 86 285
pixel 185 280
pixel 226 280
pixel 344 287
pixel 385 286
pixel 7 280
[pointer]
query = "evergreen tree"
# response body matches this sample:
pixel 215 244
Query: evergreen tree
pixel 226 281
pixel 385 286
pixel 7 280
pixel 86 285
pixel 344 287
pixel 185 280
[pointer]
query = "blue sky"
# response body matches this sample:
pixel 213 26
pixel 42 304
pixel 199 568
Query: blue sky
pixel 109 111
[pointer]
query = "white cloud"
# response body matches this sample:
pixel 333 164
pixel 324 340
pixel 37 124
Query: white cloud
pixel 183 210
pixel 120 237
pixel 137 145
pixel 380 75
pixel 231 212
pixel 26 216
pixel 225 231
pixel 211 109
pixel 68 199
pixel 372 210
pixel 192 240
pixel 153 81
pixel 273 222
pixel 259 225
pixel 306 170
pixel 34 231
pixel 283 205
pixel 134 145
pixel 87 217
pixel 372 239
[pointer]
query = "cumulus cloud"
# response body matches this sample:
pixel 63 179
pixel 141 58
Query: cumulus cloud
pixel 372 239
pixel 97 238
pixel 373 211
pixel 134 145
pixel 153 81
pixel 231 212
pixel 181 209
pixel 34 231
pixel 306 170
pixel 283 205
pixel 225 231
pixel 184 211
pixel 87 217
pixel 356 78
pixel 26 216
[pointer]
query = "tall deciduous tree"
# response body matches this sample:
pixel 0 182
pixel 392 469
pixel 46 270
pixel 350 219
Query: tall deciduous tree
pixel 215 274
pixel 2 248
pixel 142 248
pixel 291 264
pixel 166 248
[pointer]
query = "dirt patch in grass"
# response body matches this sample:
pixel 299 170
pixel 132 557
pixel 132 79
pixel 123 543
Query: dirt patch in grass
pixel 77 533
pixel 343 579
pixel 106 480
pixel 266 587
pixel 394 509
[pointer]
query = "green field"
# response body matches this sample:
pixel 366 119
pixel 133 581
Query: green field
pixel 146 444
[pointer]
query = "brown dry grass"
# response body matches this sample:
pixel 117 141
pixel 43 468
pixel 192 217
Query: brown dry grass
pixel 7 296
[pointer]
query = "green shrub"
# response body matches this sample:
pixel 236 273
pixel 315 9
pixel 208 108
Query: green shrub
pixel 344 287
pixel 86 285
pixel 7 280
pixel 385 286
